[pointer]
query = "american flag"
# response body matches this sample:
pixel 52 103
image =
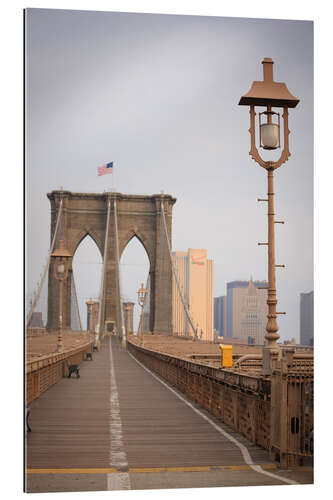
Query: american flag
pixel 105 169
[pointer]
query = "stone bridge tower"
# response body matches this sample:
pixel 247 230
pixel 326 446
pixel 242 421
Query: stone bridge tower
pixel 138 215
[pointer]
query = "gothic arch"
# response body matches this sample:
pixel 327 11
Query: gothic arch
pixel 135 233
pixel 75 243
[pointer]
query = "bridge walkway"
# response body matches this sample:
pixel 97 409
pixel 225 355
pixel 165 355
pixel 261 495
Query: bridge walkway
pixel 117 425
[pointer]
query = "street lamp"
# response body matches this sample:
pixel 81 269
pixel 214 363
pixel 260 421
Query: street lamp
pixel 61 258
pixel 142 295
pixel 269 94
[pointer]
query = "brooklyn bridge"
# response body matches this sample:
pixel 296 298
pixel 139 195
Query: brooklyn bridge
pixel 112 409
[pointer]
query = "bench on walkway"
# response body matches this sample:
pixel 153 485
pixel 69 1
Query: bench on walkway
pixel 73 369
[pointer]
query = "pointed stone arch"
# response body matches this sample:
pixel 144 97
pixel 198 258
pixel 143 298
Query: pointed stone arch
pixel 88 279
pixel 81 235
pixel 135 233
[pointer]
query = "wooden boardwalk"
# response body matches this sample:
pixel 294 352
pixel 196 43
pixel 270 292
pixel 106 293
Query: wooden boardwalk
pixel 72 422
pixel 119 427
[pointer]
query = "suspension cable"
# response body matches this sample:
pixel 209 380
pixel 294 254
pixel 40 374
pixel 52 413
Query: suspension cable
pixel 46 268
pixel 101 293
pixel 76 301
pixel 118 284
pixel 175 274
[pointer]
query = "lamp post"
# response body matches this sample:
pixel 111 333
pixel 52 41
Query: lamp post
pixel 269 94
pixel 61 258
pixel 142 295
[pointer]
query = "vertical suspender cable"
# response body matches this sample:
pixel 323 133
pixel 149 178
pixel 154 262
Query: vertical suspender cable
pixel 175 274
pixel 101 293
pixel 36 299
pixel 76 301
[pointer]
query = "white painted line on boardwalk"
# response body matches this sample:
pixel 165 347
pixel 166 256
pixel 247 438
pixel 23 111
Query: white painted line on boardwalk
pixel 243 449
pixel 118 457
pixel 118 481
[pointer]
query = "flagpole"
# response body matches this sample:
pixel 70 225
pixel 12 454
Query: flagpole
pixel 113 177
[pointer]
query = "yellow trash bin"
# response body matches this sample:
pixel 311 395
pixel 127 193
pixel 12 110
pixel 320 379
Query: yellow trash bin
pixel 226 351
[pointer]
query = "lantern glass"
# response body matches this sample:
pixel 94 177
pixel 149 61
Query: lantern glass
pixel 141 295
pixel 61 268
pixel 269 135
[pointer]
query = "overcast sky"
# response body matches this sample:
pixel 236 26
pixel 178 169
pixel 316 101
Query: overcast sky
pixel 158 95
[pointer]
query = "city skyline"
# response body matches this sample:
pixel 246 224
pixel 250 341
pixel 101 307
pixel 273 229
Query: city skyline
pixel 246 310
pixel 158 95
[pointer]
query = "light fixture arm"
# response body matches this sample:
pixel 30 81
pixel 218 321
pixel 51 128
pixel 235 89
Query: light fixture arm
pixel 254 153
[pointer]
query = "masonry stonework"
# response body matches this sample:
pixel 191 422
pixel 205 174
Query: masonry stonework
pixel 138 216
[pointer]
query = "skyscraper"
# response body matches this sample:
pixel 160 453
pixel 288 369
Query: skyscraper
pixel 220 315
pixel 306 318
pixel 247 310
pixel 195 274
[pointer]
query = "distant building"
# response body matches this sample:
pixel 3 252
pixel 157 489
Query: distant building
pixel 292 341
pixel 195 274
pixel 306 318
pixel 246 310
pixel 220 316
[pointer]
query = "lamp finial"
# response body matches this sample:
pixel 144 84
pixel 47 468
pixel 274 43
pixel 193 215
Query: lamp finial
pixel 268 69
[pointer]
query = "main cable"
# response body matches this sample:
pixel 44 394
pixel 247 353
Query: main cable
pixel 46 268
pixel 187 312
